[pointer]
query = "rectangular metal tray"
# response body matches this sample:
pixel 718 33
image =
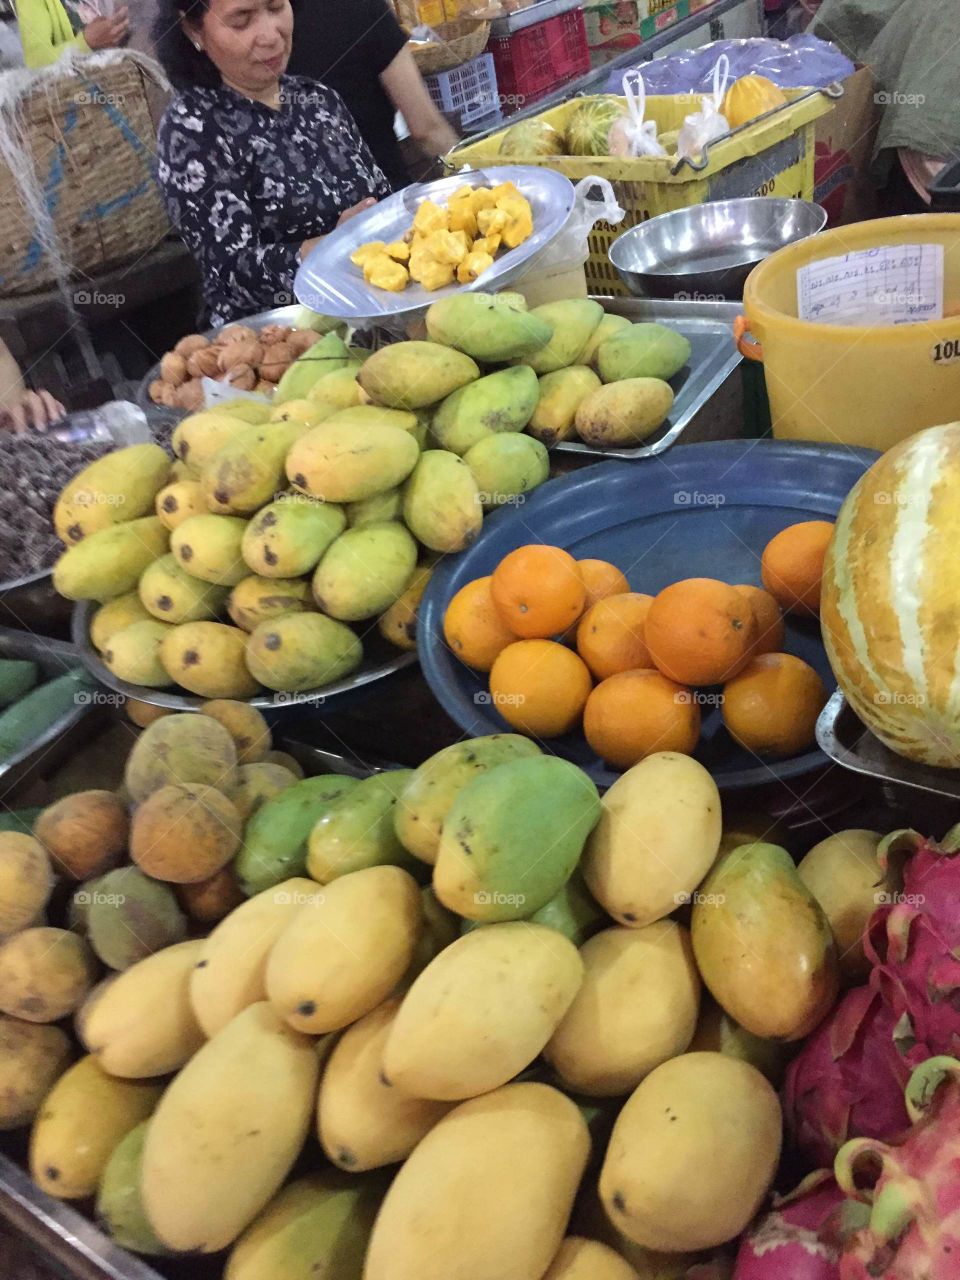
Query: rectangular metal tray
pixel 713 357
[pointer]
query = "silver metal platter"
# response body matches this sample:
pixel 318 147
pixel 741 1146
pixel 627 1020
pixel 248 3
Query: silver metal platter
pixel 329 282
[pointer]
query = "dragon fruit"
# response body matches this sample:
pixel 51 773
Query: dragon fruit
pixel 913 1231
pixel 847 1080
pixel 799 1237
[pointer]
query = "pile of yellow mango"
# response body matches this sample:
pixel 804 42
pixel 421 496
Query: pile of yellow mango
pixel 459 241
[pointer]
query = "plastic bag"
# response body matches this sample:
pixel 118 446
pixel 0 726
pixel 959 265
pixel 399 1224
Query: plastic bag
pixel 802 62
pixel 632 135
pixel 570 248
pixel 708 123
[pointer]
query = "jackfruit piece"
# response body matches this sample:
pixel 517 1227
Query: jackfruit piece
pixel 436 274
pixel 492 221
pixel 399 250
pixel 473 265
pixel 430 217
pixel 448 247
pixel 365 251
pixel 382 272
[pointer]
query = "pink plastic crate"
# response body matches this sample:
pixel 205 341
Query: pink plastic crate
pixel 539 59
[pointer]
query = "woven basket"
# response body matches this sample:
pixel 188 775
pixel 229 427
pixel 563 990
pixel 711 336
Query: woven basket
pixel 92 143
pixel 456 43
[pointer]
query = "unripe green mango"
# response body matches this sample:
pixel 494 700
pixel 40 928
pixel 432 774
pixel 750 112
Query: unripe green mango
pixel 489 327
pixel 172 595
pixel 643 351
pixel 208 547
pixel 357 831
pixel 134 654
pixel 506 467
pixel 288 537
pixel 302 651
pixel 501 401
pixel 254 600
pixel 513 838
pixel 430 792
pixel 382 506
pixel 119 1199
pixel 342 464
pixel 608 326
pixel 109 562
pixel 337 390
pixel 624 412
pixel 561 394
pixel 249 470
pixel 411 375
pixel 574 321
pixel 574 912
pixel 364 571
pixel 325 356
pixel 275 838
pixel 441 502
pixel 118 487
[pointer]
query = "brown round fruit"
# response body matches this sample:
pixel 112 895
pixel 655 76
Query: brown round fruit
pixel 85 834
pixel 208 901
pixel 185 833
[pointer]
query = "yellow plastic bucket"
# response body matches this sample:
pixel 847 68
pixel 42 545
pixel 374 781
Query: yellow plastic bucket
pixel 857 385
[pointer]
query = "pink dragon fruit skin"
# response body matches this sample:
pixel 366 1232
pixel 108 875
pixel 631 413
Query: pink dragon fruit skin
pixel 847 1080
pixel 914 1227
pixel 796 1238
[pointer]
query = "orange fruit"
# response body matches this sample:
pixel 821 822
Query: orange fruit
pixel 538 591
pixel 610 634
pixel 635 713
pixel 601 579
pixel 771 707
pixel 472 627
pixel 767 615
pixel 540 687
pixel 792 565
pixel 699 631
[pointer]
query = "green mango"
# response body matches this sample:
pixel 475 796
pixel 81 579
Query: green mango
pixel 120 1202
pixel 574 321
pixel 301 651
pixel 173 595
pixel 109 562
pixel 440 928
pixel 411 375
pixel 357 830
pixel 574 912
pixel 718 1033
pixel 364 571
pixel 275 838
pixel 208 547
pixel 325 356
pixel 513 838
pixel 382 506
pixel 492 328
pixel 643 351
pixel 608 326
pixel 17 677
pixel 337 390
pixel 502 401
pixel 249 469
pixel 507 467
pixel 288 537
pixel 441 502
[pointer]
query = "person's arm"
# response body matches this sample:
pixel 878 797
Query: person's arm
pixel 44 41
pixel 21 409
pixel 406 90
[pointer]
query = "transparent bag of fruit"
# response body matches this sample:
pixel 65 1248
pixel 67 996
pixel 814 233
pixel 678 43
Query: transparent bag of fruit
pixel 631 135
pixel 703 126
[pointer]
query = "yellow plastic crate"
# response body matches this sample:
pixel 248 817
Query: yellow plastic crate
pixel 771 156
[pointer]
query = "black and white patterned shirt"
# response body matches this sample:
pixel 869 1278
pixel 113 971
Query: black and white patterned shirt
pixel 245 185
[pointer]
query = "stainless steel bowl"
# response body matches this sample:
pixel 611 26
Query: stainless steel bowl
pixel 707 251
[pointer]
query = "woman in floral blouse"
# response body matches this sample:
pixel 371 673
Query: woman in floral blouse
pixel 256 166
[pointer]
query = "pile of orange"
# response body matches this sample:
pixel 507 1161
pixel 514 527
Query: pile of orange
pixel 547 627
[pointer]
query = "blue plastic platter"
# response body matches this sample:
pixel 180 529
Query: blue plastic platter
pixel 704 510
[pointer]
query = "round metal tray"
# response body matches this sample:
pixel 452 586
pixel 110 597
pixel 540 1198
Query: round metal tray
pixel 381 660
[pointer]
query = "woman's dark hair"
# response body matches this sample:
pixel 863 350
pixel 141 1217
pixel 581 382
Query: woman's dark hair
pixel 185 65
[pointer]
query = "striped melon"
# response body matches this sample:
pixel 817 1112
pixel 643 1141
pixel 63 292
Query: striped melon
pixel 890 603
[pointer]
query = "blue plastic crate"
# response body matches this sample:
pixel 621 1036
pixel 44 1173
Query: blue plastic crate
pixel 468 91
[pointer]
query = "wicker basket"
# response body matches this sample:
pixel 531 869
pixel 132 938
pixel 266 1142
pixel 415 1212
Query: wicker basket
pixel 92 143
pixel 456 43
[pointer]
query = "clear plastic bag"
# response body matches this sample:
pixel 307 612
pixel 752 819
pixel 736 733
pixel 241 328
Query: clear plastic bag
pixel 632 135
pixel 708 123
pixel 593 201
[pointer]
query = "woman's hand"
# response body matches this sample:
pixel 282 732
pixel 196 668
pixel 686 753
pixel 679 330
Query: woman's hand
pixel 35 410
pixel 344 217
pixel 107 33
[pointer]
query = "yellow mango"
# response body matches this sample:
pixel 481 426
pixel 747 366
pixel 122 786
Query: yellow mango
pixel 561 394
pixel 32 1056
pixel 580 1259
pixel 118 487
pixel 342 464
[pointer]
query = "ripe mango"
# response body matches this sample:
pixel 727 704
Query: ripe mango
pixel 492 328
pixel 324 357
pixel 440 928
pixel 302 651
pixel 507 467
pixel 254 600
pixel 342 464
pixel 382 506
pixel 337 390
pixel 118 487
pixel 209 659
pixel 582 1259
pixel 198 437
pixel 356 831
pixel 702 1130
pixel 561 394
pixel 246 726
pixel 441 502
pixel 134 654
pixel 229 975
pixel 763 943
pixel 181 748
pixel 109 562
pixel 346 951
pixel 574 321
pixel 26 880
pixel 246 409
pixel 303 411
pixel 362 1122
pixel 643 351
pixel 113 616
pixel 227 1132
pixel 411 375
pixel 208 547
pixel 608 326
pixel 129 916
pixel 364 571
pixel 288 537
pixel 143 1024
pixel 120 1200
pixel 718 1033
pixel 178 501
pixel 249 469
pixel 259 783
pixel 487 1193
pixel 44 974
pixel 275 839
pixel 374 415
pixel 624 412
pixel 484 869
pixel 81 1121
pixel 171 594
pixel 398 624
pixel 845 876
pixel 461 1032
pixel 32 1056
pixel 501 401
pixel 429 793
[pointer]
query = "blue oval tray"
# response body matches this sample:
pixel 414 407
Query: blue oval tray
pixel 704 510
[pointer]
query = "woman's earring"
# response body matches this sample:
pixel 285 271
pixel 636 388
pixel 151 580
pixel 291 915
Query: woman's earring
pixel 196 45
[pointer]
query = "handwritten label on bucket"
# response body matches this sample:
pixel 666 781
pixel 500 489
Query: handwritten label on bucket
pixel 888 285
